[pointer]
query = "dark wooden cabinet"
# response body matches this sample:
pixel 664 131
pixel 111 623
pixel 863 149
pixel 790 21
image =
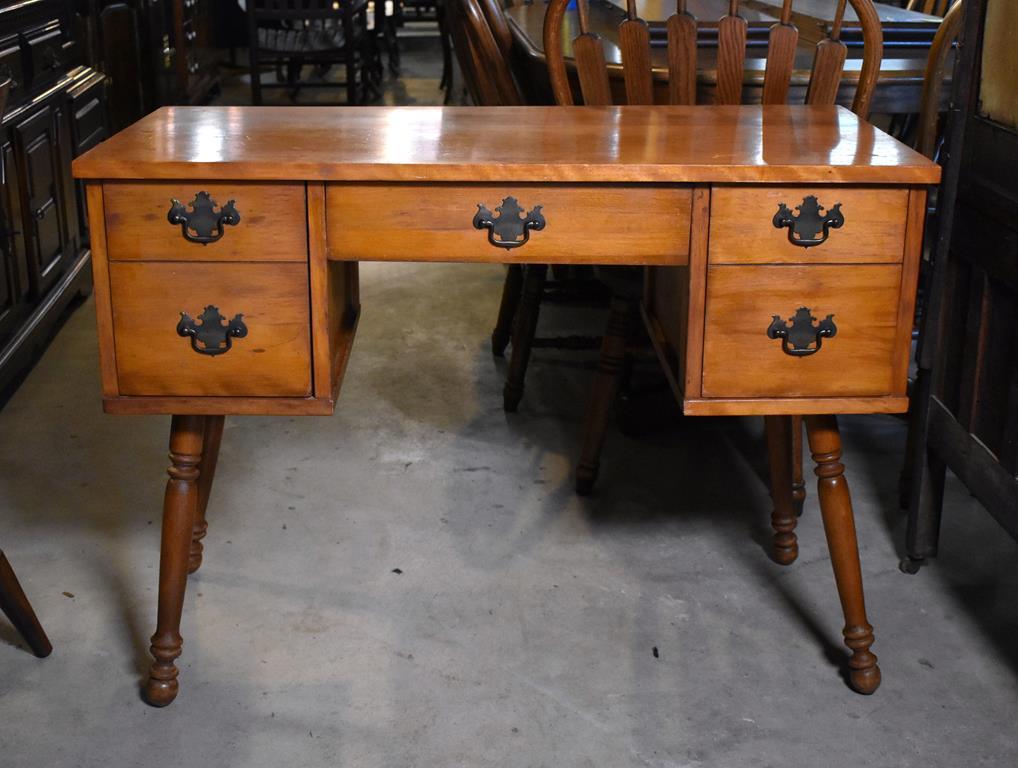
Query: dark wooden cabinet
pixel 155 52
pixel 55 110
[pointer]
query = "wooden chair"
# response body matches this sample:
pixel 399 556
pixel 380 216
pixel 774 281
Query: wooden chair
pixel 482 42
pixel 291 33
pixel 592 86
pixel 13 602
pixel 931 7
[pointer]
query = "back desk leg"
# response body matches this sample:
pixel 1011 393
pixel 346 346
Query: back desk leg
pixel 212 437
pixel 839 525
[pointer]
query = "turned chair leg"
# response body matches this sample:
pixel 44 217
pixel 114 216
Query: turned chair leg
pixel 213 436
pixel 610 365
pixel 179 508
pixel 512 289
pixel 16 607
pixel 839 525
pixel 798 483
pixel 780 455
pixel 524 330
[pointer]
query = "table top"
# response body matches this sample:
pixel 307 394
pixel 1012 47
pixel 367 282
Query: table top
pixel 539 144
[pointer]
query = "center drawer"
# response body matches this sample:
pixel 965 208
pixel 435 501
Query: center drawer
pixel 246 332
pixel 617 224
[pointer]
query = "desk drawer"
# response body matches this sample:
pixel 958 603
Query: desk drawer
pixel 867 227
pixel 742 357
pixel 270 222
pixel 582 224
pixel 269 357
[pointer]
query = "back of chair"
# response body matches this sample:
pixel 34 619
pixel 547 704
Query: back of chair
pixel 933 81
pixel 482 51
pixel 931 7
pixel 634 43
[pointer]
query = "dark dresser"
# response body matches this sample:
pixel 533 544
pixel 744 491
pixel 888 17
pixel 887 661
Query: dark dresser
pixel 55 111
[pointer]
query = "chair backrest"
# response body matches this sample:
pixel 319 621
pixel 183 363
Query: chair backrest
pixel 931 7
pixel 483 52
pixel 634 43
pixel 933 81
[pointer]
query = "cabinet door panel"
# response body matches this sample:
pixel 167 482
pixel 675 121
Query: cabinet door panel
pixel 13 268
pixel 43 176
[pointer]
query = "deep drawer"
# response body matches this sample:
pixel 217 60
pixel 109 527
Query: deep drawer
pixel 272 222
pixel 863 357
pixel 271 359
pixel 870 225
pixel 582 224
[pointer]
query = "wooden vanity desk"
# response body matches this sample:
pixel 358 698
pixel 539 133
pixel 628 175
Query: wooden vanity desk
pixel 784 243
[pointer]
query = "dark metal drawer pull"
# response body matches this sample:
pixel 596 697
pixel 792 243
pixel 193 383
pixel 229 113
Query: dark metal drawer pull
pixel 505 229
pixel 800 337
pixel 208 224
pixel 209 336
pixel 811 220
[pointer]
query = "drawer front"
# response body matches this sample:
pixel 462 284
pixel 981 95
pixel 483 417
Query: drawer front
pixel 867 227
pixel 594 225
pixel 268 222
pixel 744 357
pixel 272 359
pixel 47 51
pixel 10 67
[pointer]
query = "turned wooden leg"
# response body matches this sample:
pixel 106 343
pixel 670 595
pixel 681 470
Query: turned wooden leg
pixel 798 483
pixel 523 335
pixel 839 525
pixel 213 436
pixel 179 508
pixel 16 607
pixel 511 292
pixel 610 366
pixel 779 430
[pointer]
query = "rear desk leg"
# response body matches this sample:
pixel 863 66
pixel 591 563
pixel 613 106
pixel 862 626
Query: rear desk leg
pixel 839 525
pixel 213 436
pixel 179 509
pixel 779 430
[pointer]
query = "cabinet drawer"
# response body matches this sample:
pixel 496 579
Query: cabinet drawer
pixel 273 359
pixel 743 230
pixel 582 224
pixel 740 358
pixel 272 222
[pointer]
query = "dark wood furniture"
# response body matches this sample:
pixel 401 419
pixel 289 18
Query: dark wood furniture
pixel 967 387
pixel 54 111
pixel 289 34
pixel 155 52
pixel 898 90
pixel 242 298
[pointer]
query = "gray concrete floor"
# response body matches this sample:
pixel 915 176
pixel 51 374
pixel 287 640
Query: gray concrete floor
pixel 522 627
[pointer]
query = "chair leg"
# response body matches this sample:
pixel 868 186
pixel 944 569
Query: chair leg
pixel 524 330
pixel 19 611
pixel 179 508
pixel 839 526
pixel 213 437
pixel 512 289
pixel 780 456
pixel 621 320
pixel 798 483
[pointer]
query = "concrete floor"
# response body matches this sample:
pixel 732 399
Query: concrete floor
pixel 522 627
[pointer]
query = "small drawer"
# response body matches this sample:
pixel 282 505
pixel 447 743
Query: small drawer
pixel 581 224
pixel 743 356
pixel 11 68
pixel 863 225
pixel 271 357
pixel 266 222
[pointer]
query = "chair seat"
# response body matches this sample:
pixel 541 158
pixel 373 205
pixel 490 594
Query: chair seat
pixel 307 40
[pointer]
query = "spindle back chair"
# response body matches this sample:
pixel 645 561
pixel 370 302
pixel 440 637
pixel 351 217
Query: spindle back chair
pixel 482 55
pixel 634 44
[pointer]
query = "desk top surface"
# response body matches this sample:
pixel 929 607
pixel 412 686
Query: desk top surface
pixel 703 144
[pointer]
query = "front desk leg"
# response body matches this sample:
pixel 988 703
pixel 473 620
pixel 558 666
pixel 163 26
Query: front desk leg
pixel 213 436
pixel 839 525
pixel 179 509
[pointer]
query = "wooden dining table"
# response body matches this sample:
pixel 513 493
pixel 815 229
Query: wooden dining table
pixel 907 39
